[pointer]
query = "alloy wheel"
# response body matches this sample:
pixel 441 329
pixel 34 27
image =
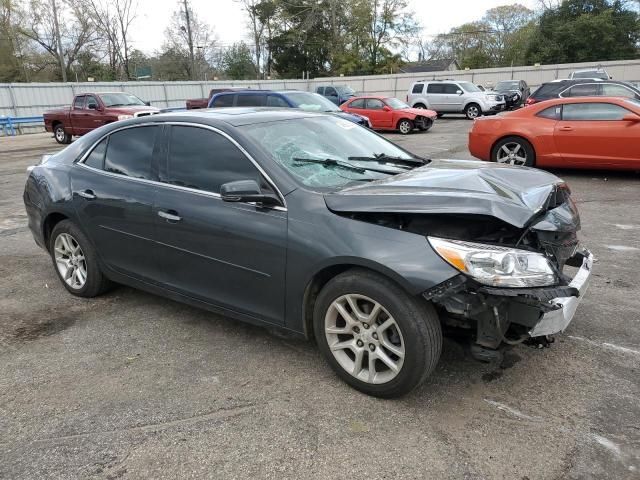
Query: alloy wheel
pixel 70 261
pixel 404 127
pixel 512 153
pixel 473 111
pixel 60 134
pixel 364 338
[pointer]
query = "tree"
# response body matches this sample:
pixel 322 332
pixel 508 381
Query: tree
pixel 585 31
pixel 237 62
pixel 10 67
pixel 506 24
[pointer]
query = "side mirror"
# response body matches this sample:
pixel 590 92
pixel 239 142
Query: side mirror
pixel 246 191
pixel 147 103
pixel 459 92
pixel 92 106
pixel 386 108
pixel 631 117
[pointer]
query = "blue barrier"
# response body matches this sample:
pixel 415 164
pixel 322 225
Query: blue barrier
pixel 8 123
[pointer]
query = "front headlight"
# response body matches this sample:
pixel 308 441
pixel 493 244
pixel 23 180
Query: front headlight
pixel 124 117
pixel 493 98
pixel 496 266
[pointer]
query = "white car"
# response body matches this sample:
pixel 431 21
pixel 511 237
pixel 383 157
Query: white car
pixel 600 73
pixel 450 96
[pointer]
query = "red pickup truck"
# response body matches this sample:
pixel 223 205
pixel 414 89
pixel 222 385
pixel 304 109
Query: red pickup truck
pixel 92 110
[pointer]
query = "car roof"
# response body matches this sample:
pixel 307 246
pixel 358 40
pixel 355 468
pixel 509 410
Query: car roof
pixel 380 97
pixel 594 99
pixel 595 69
pixel 235 116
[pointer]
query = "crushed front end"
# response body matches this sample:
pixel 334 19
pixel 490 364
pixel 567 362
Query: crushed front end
pixel 527 283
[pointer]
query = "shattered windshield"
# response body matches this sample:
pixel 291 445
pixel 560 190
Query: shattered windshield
pixel 319 151
pixel 312 102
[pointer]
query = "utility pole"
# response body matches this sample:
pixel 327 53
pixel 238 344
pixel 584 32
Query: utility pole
pixel 189 36
pixel 59 43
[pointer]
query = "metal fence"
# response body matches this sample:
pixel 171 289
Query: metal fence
pixel 32 99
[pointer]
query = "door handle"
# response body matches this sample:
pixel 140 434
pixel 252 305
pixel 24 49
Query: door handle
pixel 566 129
pixel 88 194
pixel 170 216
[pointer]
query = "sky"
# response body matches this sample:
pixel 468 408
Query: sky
pixel 229 22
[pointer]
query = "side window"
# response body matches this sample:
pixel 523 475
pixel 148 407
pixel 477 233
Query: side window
pixel 359 103
pixel 585 90
pixel 129 152
pixel 276 101
pixel 320 90
pixel 552 112
pixel 204 160
pixel 96 157
pixel 374 104
pixel 417 88
pixel 613 90
pixel 435 88
pixel 593 111
pixel 223 101
pixel 251 100
pixel 330 92
pixel 451 89
pixel 91 100
pixel 78 103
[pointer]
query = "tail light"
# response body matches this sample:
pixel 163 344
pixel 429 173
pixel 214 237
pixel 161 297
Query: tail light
pixel 530 101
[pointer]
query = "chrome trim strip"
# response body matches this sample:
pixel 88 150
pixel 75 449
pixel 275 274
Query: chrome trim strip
pixel 177 187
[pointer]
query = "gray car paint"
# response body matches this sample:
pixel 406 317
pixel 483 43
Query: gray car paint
pixel 316 239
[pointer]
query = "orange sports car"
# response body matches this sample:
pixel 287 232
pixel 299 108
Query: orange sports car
pixel 582 132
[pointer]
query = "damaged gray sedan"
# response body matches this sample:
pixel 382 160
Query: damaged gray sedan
pixel 313 224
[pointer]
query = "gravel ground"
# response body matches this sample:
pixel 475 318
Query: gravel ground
pixel 131 385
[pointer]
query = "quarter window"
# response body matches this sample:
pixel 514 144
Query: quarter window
pixel 204 160
pixel 130 151
pixel 593 111
pixel 417 88
pixel 551 112
pixel 224 101
pixel 374 104
pixel 96 157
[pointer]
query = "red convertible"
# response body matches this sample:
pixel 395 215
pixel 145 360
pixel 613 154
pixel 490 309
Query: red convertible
pixel 387 113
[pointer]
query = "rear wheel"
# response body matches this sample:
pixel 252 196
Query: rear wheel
pixel 75 261
pixel 420 105
pixel 376 337
pixel 514 151
pixel 60 135
pixel 405 126
pixel 472 111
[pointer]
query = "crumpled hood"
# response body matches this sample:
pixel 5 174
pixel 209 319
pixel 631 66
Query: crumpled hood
pixel 511 194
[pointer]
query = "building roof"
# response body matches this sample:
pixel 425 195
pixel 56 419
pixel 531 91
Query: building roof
pixel 440 65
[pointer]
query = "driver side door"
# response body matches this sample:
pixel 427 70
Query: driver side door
pixel 232 255
pixel 377 115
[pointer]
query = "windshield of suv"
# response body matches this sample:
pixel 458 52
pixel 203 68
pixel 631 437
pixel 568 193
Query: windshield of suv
pixel 502 86
pixel 396 104
pixel 469 87
pixel 289 143
pixel 120 100
pixel 312 102
pixel 591 74
pixel 345 90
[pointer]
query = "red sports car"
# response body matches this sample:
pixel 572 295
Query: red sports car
pixel 576 132
pixel 387 113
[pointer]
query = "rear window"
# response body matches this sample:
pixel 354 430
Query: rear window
pixel 129 152
pixel 417 88
pixel 223 101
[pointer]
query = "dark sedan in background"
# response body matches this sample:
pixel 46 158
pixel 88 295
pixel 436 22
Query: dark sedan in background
pixel 515 92
pixel 314 224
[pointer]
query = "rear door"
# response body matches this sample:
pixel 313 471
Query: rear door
pixel 595 134
pixel 436 97
pixel 113 193
pixel 232 255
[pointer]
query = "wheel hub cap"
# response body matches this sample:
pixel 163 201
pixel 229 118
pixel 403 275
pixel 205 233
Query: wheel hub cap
pixel 364 338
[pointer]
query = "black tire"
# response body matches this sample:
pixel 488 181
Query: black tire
pixel 420 105
pixel 528 149
pixel 416 319
pixel 472 111
pixel 405 126
pixel 96 283
pixel 60 135
pixel 426 125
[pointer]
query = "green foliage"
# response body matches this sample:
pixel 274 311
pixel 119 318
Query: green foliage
pixel 237 62
pixel 584 31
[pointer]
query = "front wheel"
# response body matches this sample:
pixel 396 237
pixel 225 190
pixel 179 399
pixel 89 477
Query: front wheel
pixel 405 126
pixel 472 111
pixel 60 135
pixel 514 151
pixel 377 338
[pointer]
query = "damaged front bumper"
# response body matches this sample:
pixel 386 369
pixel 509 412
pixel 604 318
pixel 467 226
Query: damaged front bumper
pixel 557 320
pixel 511 315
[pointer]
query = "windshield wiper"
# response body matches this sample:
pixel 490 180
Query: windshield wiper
pixel 345 165
pixel 384 158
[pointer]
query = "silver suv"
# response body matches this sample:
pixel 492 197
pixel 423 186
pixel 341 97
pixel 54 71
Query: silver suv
pixel 449 96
